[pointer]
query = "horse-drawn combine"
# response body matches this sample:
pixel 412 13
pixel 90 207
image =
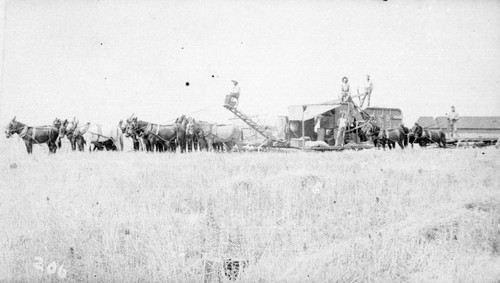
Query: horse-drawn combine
pixel 313 127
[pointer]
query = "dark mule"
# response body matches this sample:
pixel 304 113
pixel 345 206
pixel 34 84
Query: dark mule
pixel 371 132
pixel 33 135
pixel 393 136
pixel 105 145
pixel 424 136
pixel 74 133
pixel 406 132
pixel 61 127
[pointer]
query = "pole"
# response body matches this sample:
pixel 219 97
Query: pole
pixel 303 130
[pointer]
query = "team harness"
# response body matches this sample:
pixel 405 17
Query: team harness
pixel 148 129
pixel 24 132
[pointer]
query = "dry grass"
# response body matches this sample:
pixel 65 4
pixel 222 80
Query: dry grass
pixel 420 216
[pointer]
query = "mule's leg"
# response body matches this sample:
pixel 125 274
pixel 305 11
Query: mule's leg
pixel 401 143
pixel 210 146
pixel 229 146
pixel 29 146
pixel 54 148
pixel 51 146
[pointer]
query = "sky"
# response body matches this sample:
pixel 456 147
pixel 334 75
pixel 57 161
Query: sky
pixel 103 60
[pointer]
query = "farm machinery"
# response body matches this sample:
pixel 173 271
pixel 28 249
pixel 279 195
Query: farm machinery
pixel 314 127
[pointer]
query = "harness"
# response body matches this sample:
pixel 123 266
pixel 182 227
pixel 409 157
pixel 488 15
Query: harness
pixel 99 134
pixel 149 128
pixel 209 132
pixel 387 135
pixel 24 132
pixel 428 135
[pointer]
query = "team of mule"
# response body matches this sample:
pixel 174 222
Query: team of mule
pixel 402 136
pixel 185 134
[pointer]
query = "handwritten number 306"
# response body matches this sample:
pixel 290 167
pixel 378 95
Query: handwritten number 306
pixel 51 268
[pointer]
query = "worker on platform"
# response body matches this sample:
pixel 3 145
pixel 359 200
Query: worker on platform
pixel 342 124
pixel 452 122
pixel 367 93
pixel 345 91
pixel 234 95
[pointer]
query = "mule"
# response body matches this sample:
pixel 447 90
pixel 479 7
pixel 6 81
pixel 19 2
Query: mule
pixel 192 134
pixel 105 145
pixel 229 135
pixel 424 136
pixel 135 139
pixel 74 133
pixel 393 136
pixel 94 134
pixel 371 131
pixel 155 136
pixel 180 130
pixel 33 135
pixel 61 126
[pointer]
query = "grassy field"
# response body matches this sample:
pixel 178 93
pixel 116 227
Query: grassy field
pixel 423 215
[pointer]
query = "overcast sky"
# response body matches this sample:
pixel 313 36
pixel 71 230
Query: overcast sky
pixel 104 60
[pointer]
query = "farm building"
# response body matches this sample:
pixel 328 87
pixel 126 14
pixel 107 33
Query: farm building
pixel 469 127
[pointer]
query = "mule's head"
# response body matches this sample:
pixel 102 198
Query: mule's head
pixel 417 130
pixel 370 129
pixel 367 129
pixel 11 128
pixel 404 129
pixel 123 126
pixel 190 127
pixel 131 127
pixel 57 123
pixel 62 126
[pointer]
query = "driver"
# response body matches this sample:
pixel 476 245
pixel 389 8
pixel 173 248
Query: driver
pixel 235 93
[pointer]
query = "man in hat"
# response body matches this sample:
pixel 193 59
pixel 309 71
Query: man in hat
pixel 367 93
pixel 235 93
pixel 452 122
pixel 342 123
pixel 345 91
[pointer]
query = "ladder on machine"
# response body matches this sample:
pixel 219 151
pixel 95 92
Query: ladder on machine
pixel 258 128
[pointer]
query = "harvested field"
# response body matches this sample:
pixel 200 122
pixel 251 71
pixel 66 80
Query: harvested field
pixel 417 215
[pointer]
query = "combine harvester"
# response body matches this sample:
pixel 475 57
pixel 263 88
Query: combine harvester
pixel 313 127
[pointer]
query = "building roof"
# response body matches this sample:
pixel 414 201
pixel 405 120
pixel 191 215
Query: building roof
pixel 465 122
pixel 427 122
